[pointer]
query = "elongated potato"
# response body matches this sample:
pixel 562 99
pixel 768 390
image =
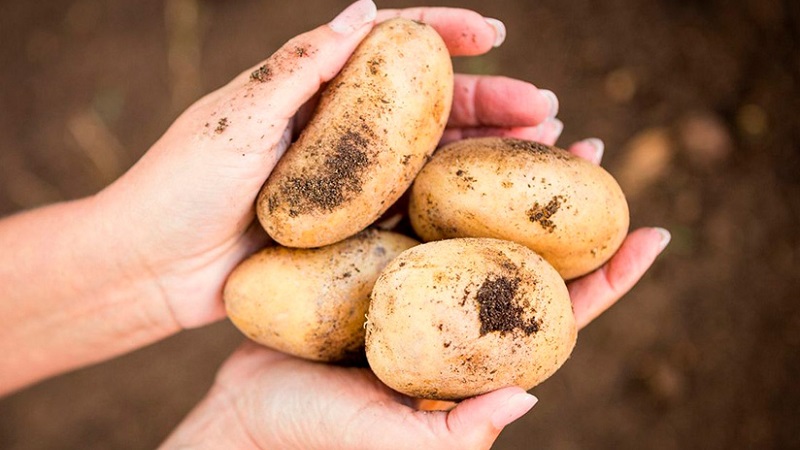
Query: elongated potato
pixel 311 302
pixel 376 124
pixel 568 210
pixel 460 317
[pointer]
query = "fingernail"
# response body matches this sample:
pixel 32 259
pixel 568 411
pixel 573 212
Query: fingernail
pixel 549 130
pixel 354 17
pixel 514 408
pixel 598 146
pixel 499 31
pixel 665 237
pixel 558 127
pixel 552 99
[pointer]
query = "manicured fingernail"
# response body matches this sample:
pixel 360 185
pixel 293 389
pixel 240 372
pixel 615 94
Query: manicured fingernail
pixel 552 99
pixel 514 408
pixel 598 146
pixel 354 17
pixel 499 31
pixel 665 237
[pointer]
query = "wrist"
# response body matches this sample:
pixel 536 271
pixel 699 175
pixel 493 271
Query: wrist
pixel 76 300
pixel 111 245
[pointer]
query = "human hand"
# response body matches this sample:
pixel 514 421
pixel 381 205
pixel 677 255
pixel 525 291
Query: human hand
pixel 186 208
pixel 265 399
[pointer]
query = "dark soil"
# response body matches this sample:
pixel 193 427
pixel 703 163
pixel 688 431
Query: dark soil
pixel 338 179
pixel 498 310
pixel 697 102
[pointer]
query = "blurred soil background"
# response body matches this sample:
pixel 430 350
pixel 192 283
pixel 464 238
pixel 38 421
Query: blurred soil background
pixel 698 103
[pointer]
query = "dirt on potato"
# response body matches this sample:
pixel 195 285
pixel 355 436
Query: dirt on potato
pixel 697 103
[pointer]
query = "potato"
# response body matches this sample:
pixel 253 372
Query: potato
pixel 311 303
pixel 571 212
pixel 375 126
pixel 460 317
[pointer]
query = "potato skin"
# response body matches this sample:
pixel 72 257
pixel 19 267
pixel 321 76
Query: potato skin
pixel 461 317
pixel 375 126
pixel 311 303
pixel 568 210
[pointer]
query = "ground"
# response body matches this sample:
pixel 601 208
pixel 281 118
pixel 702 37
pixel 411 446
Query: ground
pixel 697 102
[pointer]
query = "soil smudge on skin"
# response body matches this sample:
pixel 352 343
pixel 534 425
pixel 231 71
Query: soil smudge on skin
pixel 222 125
pixel 537 148
pixel 262 74
pixel 336 182
pixel 542 214
pixel 498 311
pixel 300 51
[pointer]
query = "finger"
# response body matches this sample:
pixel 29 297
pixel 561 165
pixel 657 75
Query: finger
pixel 293 74
pixel 546 132
pixel 589 149
pixel 245 121
pixel 476 422
pixel 465 32
pixel 481 101
pixel 599 290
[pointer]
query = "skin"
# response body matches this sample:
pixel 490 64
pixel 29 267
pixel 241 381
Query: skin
pixel 87 280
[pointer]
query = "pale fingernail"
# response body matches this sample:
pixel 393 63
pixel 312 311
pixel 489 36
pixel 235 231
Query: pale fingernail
pixel 665 238
pixel 552 99
pixel 514 408
pixel 599 147
pixel 499 31
pixel 558 127
pixel 354 17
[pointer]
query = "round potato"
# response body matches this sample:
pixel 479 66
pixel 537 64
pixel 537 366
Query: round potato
pixel 457 318
pixel 375 126
pixel 311 303
pixel 571 212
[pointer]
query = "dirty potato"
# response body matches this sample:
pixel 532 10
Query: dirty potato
pixel 571 212
pixel 457 318
pixel 376 124
pixel 311 303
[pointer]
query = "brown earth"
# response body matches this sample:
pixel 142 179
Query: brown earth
pixel 697 102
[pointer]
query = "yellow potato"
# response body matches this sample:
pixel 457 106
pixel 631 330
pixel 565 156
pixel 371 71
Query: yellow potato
pixel 568 210
pixel 311 303
pixel 376 124
pixel 460 317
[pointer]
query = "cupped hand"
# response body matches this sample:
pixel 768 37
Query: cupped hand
pixel 266 399
pixel 185 210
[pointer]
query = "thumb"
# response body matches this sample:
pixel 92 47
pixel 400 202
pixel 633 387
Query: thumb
pixel 473 424
pixel 477 422
pixel 293 74
pixel 251 113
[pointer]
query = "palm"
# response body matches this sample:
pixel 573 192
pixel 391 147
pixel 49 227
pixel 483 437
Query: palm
pixel 271 390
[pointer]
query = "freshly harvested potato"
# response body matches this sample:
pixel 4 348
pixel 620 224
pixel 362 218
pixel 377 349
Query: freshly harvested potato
pixel 376 124
pixel 311 303
pixel 460 317
pixel 571 212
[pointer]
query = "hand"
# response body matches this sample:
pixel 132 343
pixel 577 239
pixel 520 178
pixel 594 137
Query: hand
pixel 186 208
pixel 148 256
pixel 266 399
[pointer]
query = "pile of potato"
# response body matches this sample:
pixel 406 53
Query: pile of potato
pixel 483 303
